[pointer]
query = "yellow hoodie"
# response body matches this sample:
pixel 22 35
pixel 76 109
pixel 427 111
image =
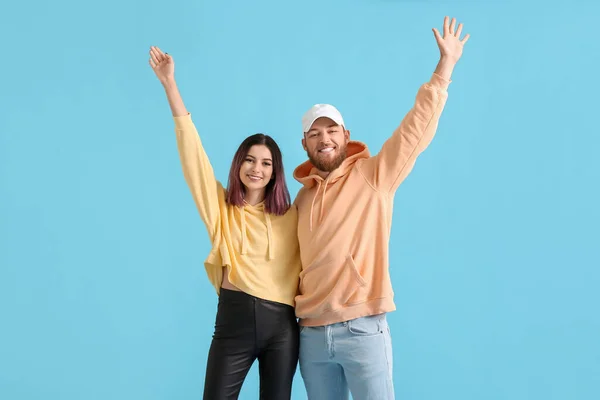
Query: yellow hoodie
pixel 259 250
pixel 344 221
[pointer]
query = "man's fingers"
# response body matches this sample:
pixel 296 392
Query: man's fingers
pixel 459 30
pixel 446 28
pixel 464 41
pixel 437 35
pixel 452 26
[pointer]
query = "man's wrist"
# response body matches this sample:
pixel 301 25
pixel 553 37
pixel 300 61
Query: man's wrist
pixel 445 67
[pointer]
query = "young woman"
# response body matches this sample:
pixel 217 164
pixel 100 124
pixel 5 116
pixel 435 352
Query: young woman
pixel 254 263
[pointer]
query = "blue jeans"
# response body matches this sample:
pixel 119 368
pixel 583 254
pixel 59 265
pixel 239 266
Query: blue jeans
pixel 348 357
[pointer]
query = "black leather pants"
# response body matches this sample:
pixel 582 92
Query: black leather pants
pixel 248 328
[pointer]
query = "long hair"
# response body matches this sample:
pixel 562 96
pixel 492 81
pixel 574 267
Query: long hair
pixel 277 196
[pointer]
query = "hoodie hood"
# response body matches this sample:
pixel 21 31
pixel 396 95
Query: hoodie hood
pixel 306 173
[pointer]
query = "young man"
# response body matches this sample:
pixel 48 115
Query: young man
pixel 344 217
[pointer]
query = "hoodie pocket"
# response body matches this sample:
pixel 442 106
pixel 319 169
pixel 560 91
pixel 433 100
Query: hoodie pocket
pixel 329 287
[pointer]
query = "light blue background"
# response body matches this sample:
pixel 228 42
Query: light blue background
pixel 495 240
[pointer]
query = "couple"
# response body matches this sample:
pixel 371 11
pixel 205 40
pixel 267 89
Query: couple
pixel 322 259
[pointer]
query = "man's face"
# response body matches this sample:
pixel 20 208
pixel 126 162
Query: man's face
pixel 325 144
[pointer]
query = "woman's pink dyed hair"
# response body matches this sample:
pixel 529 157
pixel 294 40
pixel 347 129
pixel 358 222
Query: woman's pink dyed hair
pixel 277 196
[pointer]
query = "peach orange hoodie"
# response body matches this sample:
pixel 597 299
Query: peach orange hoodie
pixel 344 220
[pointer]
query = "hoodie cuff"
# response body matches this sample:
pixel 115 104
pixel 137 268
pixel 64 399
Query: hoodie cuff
pixel 183 120
pixel 438 81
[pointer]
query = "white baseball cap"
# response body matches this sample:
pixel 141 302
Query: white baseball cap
pixel 318 111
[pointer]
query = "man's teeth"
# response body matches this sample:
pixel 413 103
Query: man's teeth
pixel 326 150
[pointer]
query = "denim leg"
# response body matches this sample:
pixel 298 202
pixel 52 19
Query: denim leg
pixel 365 352
pixel 323 377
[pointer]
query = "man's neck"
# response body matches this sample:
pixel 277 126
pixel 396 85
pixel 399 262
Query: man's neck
pixel 323 174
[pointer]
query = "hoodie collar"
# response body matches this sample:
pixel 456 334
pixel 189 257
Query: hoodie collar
pixel 306 173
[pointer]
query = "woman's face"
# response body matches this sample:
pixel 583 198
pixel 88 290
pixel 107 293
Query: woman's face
pixel 257 169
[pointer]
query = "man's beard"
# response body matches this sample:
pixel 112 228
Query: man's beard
pixel 329 165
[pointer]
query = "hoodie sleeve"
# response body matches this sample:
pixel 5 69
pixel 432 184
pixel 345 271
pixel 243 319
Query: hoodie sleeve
pixel 398 154
pixel 207 192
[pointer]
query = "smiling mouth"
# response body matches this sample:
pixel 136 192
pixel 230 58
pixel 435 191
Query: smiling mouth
pixel 254 178
pixel 326 150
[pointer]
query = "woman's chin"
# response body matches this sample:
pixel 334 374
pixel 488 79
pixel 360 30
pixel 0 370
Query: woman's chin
pixel 259 185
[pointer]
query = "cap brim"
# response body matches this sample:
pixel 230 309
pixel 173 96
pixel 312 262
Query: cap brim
pixel 334 119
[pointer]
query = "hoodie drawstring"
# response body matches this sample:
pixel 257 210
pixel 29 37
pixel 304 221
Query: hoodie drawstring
pixel 323 202
pixel 244 240
pixel 269 234
pixel 244 233
pixel 312 206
